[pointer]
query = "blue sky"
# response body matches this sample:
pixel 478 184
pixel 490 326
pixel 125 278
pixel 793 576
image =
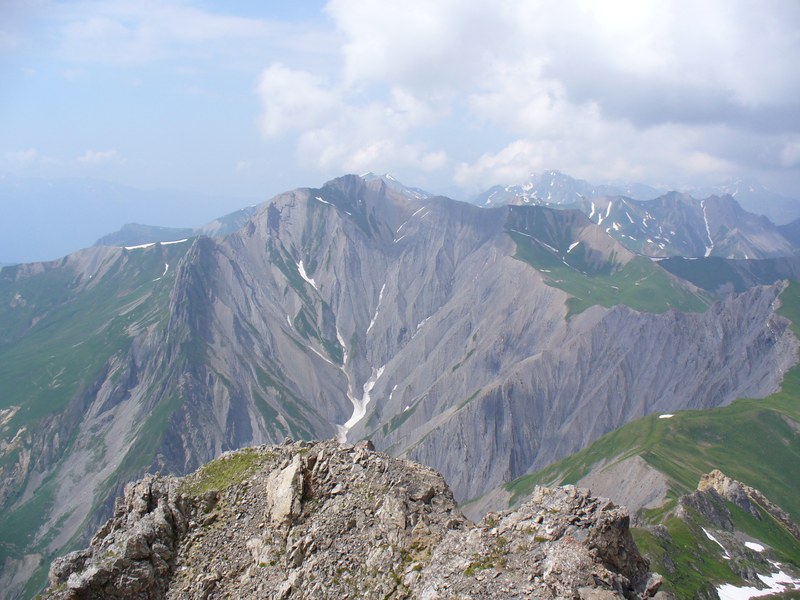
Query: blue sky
pixel 251 98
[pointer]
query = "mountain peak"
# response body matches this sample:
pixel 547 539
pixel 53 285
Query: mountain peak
pixel 318 519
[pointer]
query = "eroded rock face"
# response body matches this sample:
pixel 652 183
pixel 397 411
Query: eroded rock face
pixel 133 554
pixel 323 520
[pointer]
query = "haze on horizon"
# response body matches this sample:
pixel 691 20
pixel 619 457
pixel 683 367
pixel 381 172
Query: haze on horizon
pixel 251 100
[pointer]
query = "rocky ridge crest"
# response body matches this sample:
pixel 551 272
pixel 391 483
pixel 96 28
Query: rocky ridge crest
pixel 752 559
pixel 746 498
pixel 324 520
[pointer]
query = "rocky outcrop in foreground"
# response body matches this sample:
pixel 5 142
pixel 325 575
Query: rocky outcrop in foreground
pixel 323 520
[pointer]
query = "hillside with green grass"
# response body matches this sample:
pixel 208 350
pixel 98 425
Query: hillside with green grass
pixel 66 326
pixel 752 441
pixel 640 284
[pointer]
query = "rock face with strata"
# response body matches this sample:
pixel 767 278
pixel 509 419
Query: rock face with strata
pixel 323 520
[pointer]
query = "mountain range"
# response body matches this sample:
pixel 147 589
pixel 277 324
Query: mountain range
pixel 557 188
pixel 486 343
pixel 671 224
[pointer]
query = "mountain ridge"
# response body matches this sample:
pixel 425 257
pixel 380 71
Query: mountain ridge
pixel 324 520
pixel 354 306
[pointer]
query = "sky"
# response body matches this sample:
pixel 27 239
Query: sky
pixel 252 98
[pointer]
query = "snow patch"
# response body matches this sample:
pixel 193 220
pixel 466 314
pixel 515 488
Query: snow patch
pixel 572 246
pixel 360 406
pixel 776 582
pixel 321 355
pixel 601 218
pixel 416 212
pixel 548 246
pixel 303 274
pixel 754 546
pixel 340 339
pixel 154 243
pixel 710 247
pixel 591 214
pixel 716 541
pixel 321 200
pixel 666 416
pixel 377 308
pixel 166 268
pixel 521 233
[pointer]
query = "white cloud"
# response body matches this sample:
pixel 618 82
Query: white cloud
pixel 22 157
pixel 418 44
pixel 375 136
pixel 511 164
pixel 340 128
pixel 618 89
pixel 293 100
pixel 790 154
pixel 100 157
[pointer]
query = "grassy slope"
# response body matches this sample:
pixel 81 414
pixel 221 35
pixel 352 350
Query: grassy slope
pixel 754 441
pixel 641 284
pixel 715 273
pixel 46 366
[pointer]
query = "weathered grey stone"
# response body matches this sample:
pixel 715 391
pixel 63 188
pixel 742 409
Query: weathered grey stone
pixel 393 530
pixel 284 490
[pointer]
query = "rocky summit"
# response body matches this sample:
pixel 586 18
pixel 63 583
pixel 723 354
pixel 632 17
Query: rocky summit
pixel 330 520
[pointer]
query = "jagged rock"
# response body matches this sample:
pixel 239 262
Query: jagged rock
pixel 711 505
pixel 391 529
pixel 729 489
pixel 133 554
pixel 706 508
pixel 746 498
